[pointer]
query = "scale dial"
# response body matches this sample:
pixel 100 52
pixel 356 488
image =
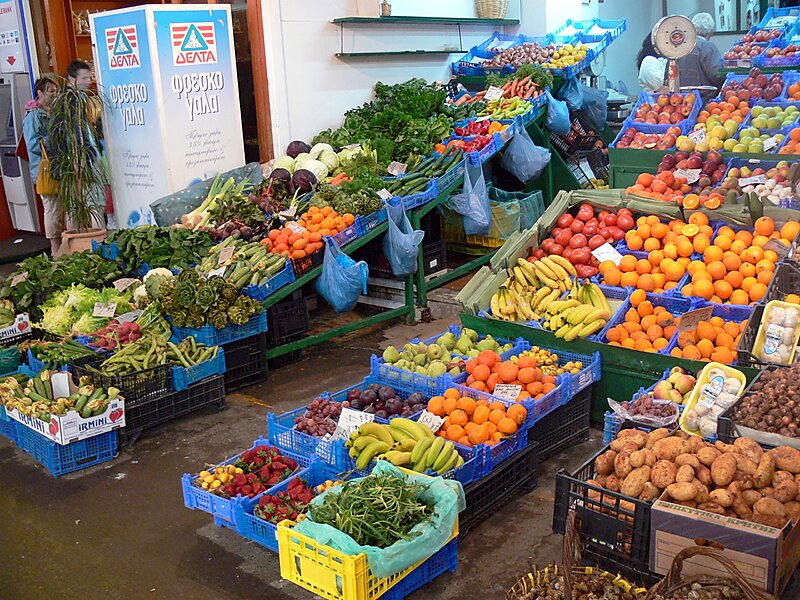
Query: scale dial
pixel 674 36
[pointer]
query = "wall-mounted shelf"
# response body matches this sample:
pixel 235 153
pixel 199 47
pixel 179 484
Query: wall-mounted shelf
pixel 397 53
pixel 431 20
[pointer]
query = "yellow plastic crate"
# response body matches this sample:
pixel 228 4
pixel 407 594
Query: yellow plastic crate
pixel 453 231
pixel 328 572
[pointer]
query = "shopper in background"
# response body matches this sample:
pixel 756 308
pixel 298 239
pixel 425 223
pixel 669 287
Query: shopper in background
pixel 34 130
pixel 701 65
pixel 652 67
pixel 79 75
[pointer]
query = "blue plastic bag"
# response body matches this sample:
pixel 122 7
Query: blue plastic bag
pixel 522 158
pixel 401 244
pixel 572 93
pixel 473 203
pixel 557 115
pixel 343 279
pixel 595 107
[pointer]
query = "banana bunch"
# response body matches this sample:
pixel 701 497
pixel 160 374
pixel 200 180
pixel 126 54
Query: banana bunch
pixel 583 312
pixel 531 287
pixel 403 443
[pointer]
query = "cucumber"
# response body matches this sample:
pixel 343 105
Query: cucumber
pixel 81 403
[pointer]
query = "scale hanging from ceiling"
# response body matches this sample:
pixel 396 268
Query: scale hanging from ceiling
pixel 674 37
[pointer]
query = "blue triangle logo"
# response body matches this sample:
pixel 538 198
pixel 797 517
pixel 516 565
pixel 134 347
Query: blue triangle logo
pixel 121 44
pixel 193 41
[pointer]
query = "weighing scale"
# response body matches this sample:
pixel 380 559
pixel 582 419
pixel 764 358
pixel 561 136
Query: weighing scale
pixel 673 37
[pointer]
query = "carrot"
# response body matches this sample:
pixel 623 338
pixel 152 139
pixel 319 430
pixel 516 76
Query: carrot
pixel 512 90
pixel 524 80
pixel 506 85
pixel 480 95
pixel 528 93
pixel 463 100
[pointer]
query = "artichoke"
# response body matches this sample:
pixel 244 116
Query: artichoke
pixel 218 318
pixel 216 283
pixel 184 294
pixel 229 293
pixel 189 275
pixel 237 315
pixel 179 318
pixel 206 297
pixel 195 321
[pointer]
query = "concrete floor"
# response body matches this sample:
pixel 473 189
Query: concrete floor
pixel 120 530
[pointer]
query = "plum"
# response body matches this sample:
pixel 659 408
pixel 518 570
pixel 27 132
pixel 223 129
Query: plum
pixel 374 387
pixel 353 394
pixel 382 414
pixel 369 396
pixel 415 398
pixel 386 393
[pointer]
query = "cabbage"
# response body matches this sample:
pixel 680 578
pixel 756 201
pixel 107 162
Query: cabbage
pixel 318 149
pixel 163 271
pixel 329 158
pixel 299 158
pixel 284 162
pixel 80 298
pixel 319 169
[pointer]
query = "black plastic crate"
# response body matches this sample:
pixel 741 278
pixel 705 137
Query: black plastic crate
pixel 135 387
pixel 246 362
pixel 580 140
pixel 517 474
pixel 157 411
pixel 726 422
pixel 564 427
pixel 598 163
pixel 302 266
pixel 616 523
pixel 434 256
pixel 744 349
pixel 285 359
pixel 286 320
pixel 785 281
pixel 599 556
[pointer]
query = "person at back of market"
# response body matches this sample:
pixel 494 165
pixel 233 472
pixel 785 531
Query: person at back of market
pixel 701 65
pixel 652 67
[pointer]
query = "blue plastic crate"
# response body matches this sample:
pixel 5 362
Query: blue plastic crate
pixel 282 434
pixel 728 312
pixel 776 18
pixel 37 366
pixel 366 223
pixel 614 28
pixel 443 561
pixel 520 344
pixel 685 125
pixel 590 372
pixel 407 381
pixel 60 460
pixel 211 336
pixel 420 198
pixel 495 455
pixel 222 508
pixel 8 426
pixel 346 235
pixel 341 395
pixel 573 28
pixel 500 41
pixel 596 43
pixel 783 129
pixel 283 277
pixel 611 425
pixel 611 293
pixel 182 377
pixel 109 251
pixel 451 177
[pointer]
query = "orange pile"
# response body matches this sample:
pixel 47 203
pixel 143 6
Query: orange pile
pixel 793 93
pixel 646 327
pixel 713 340
pixel 317 222
pixel 487 370
pixel 732 108
pixel 793 145
pixel 664 186
pixel 471 422
pixel 736 268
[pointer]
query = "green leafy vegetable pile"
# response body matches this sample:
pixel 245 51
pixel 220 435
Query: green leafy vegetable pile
pixel 169 247
pixel 46 276
pixel 403 122
pixel 538 75
pixel 377 510
pixel 70 311
pixel 357 203
pixel 193 301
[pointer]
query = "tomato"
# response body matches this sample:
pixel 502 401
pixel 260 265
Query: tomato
pixel 539 253
pixel 563 237
pixel 546 243
pixel 617 234
pixel 567 253
pixel 625 221
pixel 601 215
pixel 578 241
pixel 586 212
pixel 565 220
pixel 605 232
pixel 585 271
pixel 624 211
pixel 590 229
pixel 596 241
pixel 581 256
pixel 610 219
pixel 576 226
pixel 556 249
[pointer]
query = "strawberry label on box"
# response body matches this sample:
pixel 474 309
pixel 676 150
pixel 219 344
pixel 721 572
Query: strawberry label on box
pixel 22 324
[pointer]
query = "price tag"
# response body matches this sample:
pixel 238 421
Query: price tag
pixel 19 278
pixel 289 212
pixel 129 316
pixel 352 146
pixel 744 64
pixel 104 309
pixel 691 319
pixel 483 118
pixel 432 421
pixel 295 227
pixel 691 175
pixel 698 136
pixel 384 194
pixel 124 283
pixel 396 168
pixel 508 391
pixel 349 421
pixel 220 271
pixel 770 143
pixel 777 246
pixel 493 93
pixel 225 254
pixel 607 252
pixel 60 383
pixel 754 180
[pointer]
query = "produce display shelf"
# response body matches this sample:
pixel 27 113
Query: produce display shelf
pixel 60 460
pixel 211 336
pixel 8 426
pixel 284 277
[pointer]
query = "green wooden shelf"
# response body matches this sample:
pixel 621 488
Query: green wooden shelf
pixel 425 20
pixel 406 53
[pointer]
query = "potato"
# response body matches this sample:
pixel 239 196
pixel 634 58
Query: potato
pixel 649 492
pixel 786 458
pixel 751 496
pixel 721 497
pixel 711 507
pixel 670 448
pixel 765 471
pixel 702 494
pixel 792 509
pixel 599 480
pixel 741 508
pixel 767 492
pixel 663 474
pixel 707 455
pixel 622 465
pixel 636 439
pixel 770 520
pixel 637 459
pixel 769 506
pixel 781 476
pixel 639 436
pixel 696 442
pixel 744 464
pixel 604 464
pixel 596 482
pixel 785 491
pixel 682 492
pixel 682 435
pixel 685 473
pixel 613 483
pixel 687 459
pixel 703 473
pixel 723 447
pixel 749 448
pixel 633 484
pixel 654 436
pixel 649 458
pixel 723 469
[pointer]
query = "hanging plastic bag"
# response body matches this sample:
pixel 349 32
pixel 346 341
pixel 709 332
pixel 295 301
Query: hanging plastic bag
pixel 473 203
pixel 557 115
pixel 342 280
pixel 401 244
pixel 595 107
pixel 571 93
pixel 524 159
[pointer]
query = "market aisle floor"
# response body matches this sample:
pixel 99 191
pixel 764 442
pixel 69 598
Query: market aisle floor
pixel 120 531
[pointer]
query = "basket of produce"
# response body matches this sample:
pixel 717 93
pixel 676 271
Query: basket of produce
pixel 676 586
pixel 246 265
pixel 44 354
pixel 78 309
pixel 168 247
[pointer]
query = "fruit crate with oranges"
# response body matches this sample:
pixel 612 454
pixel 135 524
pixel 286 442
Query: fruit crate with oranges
pixel 791 88
pixel 714 338
pixel 663 110
pixel 656 239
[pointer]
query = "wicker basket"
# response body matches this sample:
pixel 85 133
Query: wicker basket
pixel 491 9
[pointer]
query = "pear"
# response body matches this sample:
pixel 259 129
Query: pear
pixel 464 344
pixel 674 377
pixel 422 348
pixel 421 359
pixel 391 355
pixel 403 364
pixel 675 396
pixel 446 356
pixel 487 344
pixel 454 371
pixel 437 368
pixel 434 352
pixel 676 370
pixel 407 354
pixel 448 340
pixel 507 347
pixel 421 370
pixel 473 353
pixel 662 390
pixel 471 333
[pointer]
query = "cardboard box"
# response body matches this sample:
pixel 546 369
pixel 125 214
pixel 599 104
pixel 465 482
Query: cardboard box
pixel 766 556
pixel 71 427
pixel 22 324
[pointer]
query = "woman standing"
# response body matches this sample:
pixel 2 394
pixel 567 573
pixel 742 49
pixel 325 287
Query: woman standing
pixel 652 67
pixel 34 129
